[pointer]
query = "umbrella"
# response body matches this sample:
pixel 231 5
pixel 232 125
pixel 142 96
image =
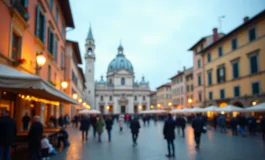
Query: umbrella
pixel 256 108
pixel 195 110
pixel 87 111
pixel 152 111
pixel 210 108
pixel 229 108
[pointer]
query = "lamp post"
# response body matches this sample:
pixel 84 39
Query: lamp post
pixel 41 60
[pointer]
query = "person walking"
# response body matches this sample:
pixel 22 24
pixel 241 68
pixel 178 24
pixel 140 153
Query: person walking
pixel 25 122
pixel 34 137
pixel 100 125
pixel 135 126
pixel 252 125
pixel 61 121
pixel 84 127
pixel 242 123
pixel 121 122
pixel 7 134
pixel 76 120
pixel 169 135
pixel 93 122
pixel 178 119
pixel 215 121
pixel 197 125
pixel 109 123
pixel 262 123
pixel 222 123
pixel 182 124
pixel 66 120
pixel 234 124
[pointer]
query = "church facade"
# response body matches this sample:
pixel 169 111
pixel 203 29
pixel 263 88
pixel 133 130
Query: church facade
pixel 119 93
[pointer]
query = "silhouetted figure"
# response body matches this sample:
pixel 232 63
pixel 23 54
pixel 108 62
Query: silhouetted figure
pixel 252 125
pixel 35 136
pixel 169 134
pixel 234 124
pixel 182 123
pixel 197 125
pixel 262 123
pixel 84 127
pixel 109 123
pixel 135 126
pixel 93 122
pixel 61 121
pixel 25 122
pixel 63 137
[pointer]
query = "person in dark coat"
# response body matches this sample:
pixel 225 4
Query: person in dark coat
pixel 252 125
pixel 61 121
pixel 169 134
pixel 66 120
pixel 242 123
pixel 109 123
pixel 178 120
pixel 84 127
pixel 93 122
pixel 54 121
pixel 197 125
pixel 76 120
pixel 215 121
pixel 135 127
pixel 25 122
pixel 7 134
pixel 234 124
pixel 182 124
pixel 262 123
pixel 63 137
pixel 35 136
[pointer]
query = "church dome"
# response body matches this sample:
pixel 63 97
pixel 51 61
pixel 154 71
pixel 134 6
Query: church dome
pixel 120 62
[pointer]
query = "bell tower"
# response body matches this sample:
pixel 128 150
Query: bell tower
pixel 90 59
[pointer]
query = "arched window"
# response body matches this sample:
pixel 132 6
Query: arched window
pixel 122 81
pixel 110 81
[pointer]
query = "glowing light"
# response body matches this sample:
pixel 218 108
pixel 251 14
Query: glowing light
pixel 222 112
pixel 75 96
pixel 19 95
pixel 108 107
pixel 158 105
pixel 4 93
pixel 88 106
pixel 32 98
pixel 189 100
pixel 41 60
pixel 151 106
pixel 28 97
pixel 80 100
pixel 84 104
pixel 254 103
pixel 64 84
pixel 140 107
pixel 22 96
pixel 169 104
pixel 223 104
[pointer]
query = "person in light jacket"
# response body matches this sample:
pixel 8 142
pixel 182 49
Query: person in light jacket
pixel 121 121
pixel 47 148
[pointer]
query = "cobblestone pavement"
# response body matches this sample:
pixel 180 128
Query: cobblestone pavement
pixel 152 146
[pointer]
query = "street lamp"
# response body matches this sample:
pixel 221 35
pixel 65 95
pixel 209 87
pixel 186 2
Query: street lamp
pixel 75 96
pixel 169 104
pixel 84 104
pixel 108 107
pixel 189 100
pixel 158 105
pixel 88 106
pixel 151 106
pixel 64 84
pixel 41 60
pixel 254 103
pixel 80 100
pixel 140 107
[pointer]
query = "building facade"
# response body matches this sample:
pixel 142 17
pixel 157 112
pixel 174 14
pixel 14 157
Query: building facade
pixel 29 29
pixel 188 103
pixel 178 90
pixel 164 97
pixel 153 100
pixel 234 72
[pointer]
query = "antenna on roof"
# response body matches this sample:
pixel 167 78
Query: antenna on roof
pixel 220 18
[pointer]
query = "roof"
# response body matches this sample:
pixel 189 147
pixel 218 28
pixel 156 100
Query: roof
pixel 260 15
pixel 90 34
pixel 165 85
pixel 76 51
pixel 201 40
pixel 66 9
pixel 152 93
pixel 179 73
pixel 81 73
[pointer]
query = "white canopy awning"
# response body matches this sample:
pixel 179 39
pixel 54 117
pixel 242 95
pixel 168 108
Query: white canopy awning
pixel 229 108
pixel 23 83
pixel 152 111
pixel 256 108
pixel 87 111
pixel 210 108
pixel 195 110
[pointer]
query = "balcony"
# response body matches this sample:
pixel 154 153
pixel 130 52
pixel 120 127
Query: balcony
pixel 21 9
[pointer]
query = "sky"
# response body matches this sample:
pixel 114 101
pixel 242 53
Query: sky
pixel 155 34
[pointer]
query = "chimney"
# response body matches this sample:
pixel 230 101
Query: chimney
pixel 246 19
pixel 215 34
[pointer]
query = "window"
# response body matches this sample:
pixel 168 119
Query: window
pixel 110 81
pixel 135 98
pixel 144 98
pixel 235 66
pixel 181 90
pixel 236 91
pixel 16 46
pixel 50 40
pixel 181 100
pixel 55 52
pixel 210 95
pixel 253 60
pixel 234 44
pixel 252 34
pixel 188 88
pixel 209 77
pixel 220 51
pixel 255 88
pixel 201 46
pixel 62 60
pixel 195 51
pixel 222 93
pixel 40 25
pixel 122 81
pixel 199 63
pixel 74 78
pixel 110 98
pixel 51 4
pixel 49 72
pixel 200 97
pixel 101 98
pixel 191 86
pixel 209 57
pixel 221 74
pixel 57 14
pixel 199 80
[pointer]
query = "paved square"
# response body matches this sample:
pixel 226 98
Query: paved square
pixel 152 146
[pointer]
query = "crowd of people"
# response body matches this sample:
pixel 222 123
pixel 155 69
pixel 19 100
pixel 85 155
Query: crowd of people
pixel 40 147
